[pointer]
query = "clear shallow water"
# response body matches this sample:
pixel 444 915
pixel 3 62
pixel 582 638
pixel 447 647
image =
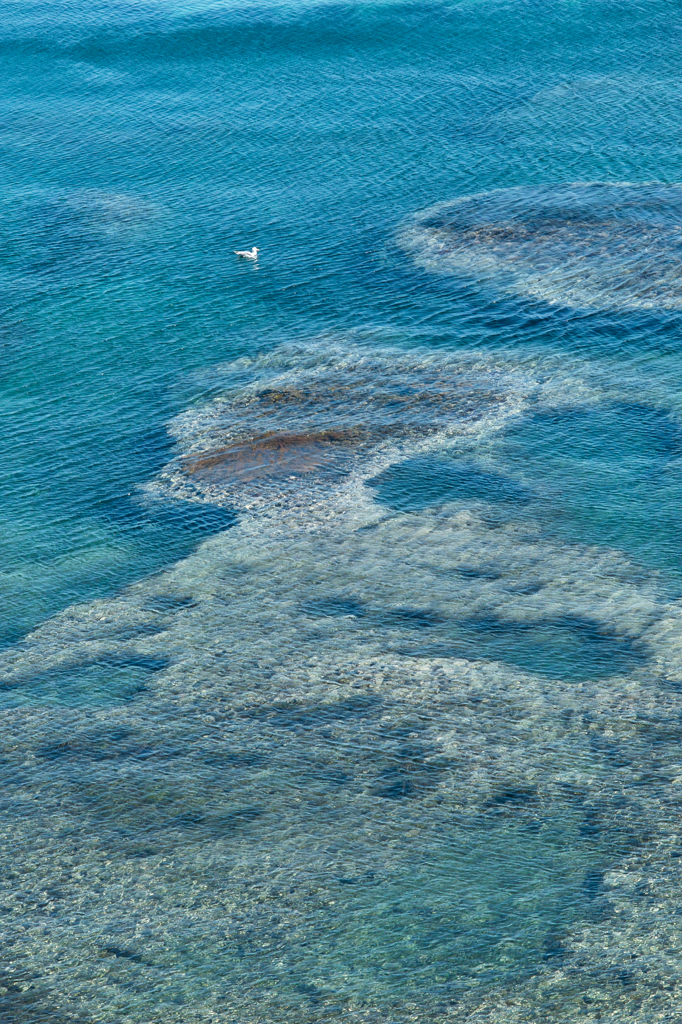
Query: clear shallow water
pixel 583 245
pixel 341 670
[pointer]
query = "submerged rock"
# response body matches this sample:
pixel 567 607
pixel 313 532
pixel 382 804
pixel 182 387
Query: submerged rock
pixel 588 244
pixel 274 454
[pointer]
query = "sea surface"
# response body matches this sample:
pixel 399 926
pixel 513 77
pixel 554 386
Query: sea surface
pixel 341 645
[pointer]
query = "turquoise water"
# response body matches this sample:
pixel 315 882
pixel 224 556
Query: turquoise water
pixel 341 675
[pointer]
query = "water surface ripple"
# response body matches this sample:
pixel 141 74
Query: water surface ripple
pixel 341 675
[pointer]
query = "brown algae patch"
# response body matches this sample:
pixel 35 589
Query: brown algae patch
pixel 274 454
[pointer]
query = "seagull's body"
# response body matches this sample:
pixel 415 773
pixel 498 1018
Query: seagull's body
pixel 248 254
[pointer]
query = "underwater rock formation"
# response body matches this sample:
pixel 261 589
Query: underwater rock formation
pixel 591 245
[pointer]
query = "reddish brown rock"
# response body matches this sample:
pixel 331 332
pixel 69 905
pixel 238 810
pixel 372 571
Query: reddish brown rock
pixel 273 454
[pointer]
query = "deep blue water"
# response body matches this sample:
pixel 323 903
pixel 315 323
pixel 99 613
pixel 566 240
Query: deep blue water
pixel 340 669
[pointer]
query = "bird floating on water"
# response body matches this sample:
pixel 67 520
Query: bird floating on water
pixel 248 254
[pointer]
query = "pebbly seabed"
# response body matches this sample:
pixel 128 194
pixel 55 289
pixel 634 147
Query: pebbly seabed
pixel 372 759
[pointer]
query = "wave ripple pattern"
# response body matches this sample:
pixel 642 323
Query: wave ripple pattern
pixel 340 656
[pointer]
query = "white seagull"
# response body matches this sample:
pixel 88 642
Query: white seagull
pixel 248 254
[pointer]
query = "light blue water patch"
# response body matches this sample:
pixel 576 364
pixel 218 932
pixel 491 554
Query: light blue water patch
pixel 124 539
pixel 425 482
pixel 609 475
pixel 606 474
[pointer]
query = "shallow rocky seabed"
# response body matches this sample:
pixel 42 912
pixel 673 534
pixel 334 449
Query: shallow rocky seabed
pixel 339 816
